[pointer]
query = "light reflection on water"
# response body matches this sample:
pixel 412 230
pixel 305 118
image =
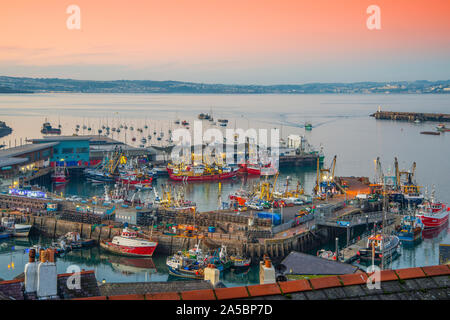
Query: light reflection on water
pixel 341 123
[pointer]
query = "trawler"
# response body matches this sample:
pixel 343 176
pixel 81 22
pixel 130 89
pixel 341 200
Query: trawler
pixel 201 172
pixel 48 129
pixel 379 246
pixel 129 244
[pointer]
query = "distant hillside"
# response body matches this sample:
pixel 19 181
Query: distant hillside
pixel 9 90
pixel 18 85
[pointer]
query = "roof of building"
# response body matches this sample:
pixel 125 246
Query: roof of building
pixel 142 288
pixel 13 289
pixel 26 148
pixel 10 161
pixel 60 138
pixel 307 264
pixel 423 283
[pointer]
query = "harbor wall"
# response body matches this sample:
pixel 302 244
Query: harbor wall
pixel 411 116
pixel 167 244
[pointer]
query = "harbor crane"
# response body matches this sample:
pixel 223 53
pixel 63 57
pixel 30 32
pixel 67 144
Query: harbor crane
pixel 409 174
pixel 379 175
pixel 324 175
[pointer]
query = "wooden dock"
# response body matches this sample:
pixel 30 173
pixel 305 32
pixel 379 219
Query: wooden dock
pixel 411 116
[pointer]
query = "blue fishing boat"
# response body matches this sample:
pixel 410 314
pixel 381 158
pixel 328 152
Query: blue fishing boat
pixel 410 229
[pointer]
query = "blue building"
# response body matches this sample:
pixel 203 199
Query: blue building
pixel 70 151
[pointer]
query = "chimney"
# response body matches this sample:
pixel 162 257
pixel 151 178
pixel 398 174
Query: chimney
pixel 212 274
pixel 31 273
pixel 46 275
pixel 266 271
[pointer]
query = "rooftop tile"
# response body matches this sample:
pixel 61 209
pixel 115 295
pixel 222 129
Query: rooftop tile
pixel 439 270
pixel 295 285
pixel 162 296
pixel 410 273
pixel 231 293
pixel 264 289
pixel 328 282
pixel 352 279
pixel 91 298
pixel 127 297
pixel 207 294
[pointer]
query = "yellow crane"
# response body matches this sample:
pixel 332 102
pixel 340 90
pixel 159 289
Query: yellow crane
pixel 324 174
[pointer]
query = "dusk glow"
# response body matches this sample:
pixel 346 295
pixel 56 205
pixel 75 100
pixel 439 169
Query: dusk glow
pixel 237 41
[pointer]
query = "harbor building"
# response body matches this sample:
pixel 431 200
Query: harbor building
pixel 69 151
pixel 25 159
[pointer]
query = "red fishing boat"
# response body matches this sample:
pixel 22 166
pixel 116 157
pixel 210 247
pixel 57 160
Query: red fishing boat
pixel 258 169
pixel 59 176
pixel 134 179
pixel 128 244
pixel 433 214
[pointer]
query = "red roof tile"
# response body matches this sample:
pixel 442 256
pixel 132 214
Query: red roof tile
pixel 231 293
pixel 206 294
pixel 162 296
pixel 439 270
pixel 386 275
pixel 326 282
pixel 91 298
pixel 127 297
pixel 264 289
pixel 294 286
pixel 410 273
pixel 353 279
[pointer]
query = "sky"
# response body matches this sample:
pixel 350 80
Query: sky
pixel 227 41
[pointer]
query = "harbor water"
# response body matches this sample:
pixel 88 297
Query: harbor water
pixel 341 124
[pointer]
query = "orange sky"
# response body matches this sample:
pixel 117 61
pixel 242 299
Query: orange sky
pixel 224 40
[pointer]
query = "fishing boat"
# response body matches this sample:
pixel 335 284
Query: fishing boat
pixel 201 173
pixel 180 265
pixel 261 170
pixel 410 229
pixel 326 254
pixel 48 129
pixel 128 244
pixel 240 262
pixel 308 126
pixel 441 127
pixel 379 246
pixel 433 214
pixel 16 230
pixel 135 179
pixel 59 176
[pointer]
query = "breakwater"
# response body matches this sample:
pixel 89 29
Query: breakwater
pixel 411 116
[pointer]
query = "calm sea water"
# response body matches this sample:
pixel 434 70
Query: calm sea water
pixel 341 124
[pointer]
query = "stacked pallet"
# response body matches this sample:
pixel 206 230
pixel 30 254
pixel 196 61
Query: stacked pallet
pixel 82 217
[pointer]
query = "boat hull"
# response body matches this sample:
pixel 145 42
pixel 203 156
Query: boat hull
pixel 434 222
pixel 213 177
pixel 365 254
pixel 146 251
pixel 191 274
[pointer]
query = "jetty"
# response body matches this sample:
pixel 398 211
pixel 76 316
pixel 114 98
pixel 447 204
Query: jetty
pixel 411 116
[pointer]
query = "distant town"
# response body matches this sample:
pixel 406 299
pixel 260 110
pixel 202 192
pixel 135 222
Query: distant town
pixel 40 85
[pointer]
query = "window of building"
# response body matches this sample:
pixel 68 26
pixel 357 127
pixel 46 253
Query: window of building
pixel 67 150
pixel 82 150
